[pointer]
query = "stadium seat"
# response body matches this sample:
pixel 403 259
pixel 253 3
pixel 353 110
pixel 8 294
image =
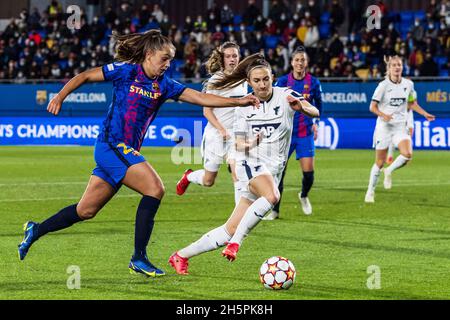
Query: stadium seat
pixel 271 42
pixel 443 73
pixel 325 18
pixel 237 19
pixel 324 31
pixel 407 17
pixel 419 14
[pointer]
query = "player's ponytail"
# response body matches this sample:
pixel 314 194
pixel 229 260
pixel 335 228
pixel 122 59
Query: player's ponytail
pixel 132 48
pixel 215 61
pixel 241 73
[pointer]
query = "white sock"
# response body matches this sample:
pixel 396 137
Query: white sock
pixel 391 150
pixel 374 175
pixel 196 176
pixel 251 218
pixel 399 162
pixel 212 240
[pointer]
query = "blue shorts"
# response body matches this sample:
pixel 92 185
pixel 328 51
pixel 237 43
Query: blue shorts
pixel 113 161
pixel 304 147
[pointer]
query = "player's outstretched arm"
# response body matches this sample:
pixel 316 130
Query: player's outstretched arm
pixel 415 107
pixel 92 75
pixel 303 106
pixel 213 101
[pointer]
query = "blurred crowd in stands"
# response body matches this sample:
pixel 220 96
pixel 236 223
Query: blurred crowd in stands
pixel 39 45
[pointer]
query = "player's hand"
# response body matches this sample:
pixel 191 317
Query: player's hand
pixel 314 128
pixel 54 106
pixel 224 133
pixel 249 100
pixel 294 103
pixel 429 117
pixel 386 117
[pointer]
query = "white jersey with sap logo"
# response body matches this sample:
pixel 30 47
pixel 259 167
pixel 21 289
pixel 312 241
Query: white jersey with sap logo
pixel 393 99
pixel 274 120
pixel 225 115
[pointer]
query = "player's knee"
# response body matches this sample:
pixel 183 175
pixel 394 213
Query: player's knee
pixel 208 182
pixel 408 155
pixel 273 198
pixel 87 212
pixel 158 191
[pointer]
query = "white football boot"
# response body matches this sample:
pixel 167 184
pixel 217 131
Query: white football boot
pixel 370 197
pixel 271 216
pixel 306 205
pixel 387 179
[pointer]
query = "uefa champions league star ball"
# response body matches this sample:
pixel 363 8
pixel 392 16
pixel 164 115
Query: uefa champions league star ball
pixel 277 273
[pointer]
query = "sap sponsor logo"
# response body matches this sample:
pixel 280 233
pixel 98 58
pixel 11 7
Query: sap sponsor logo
pixel 344 97
pixel 57 131
pixel 327 134
pixel 431 137
pixel 397 102
pixel 266 129
pixel 438 96
pixel 83 97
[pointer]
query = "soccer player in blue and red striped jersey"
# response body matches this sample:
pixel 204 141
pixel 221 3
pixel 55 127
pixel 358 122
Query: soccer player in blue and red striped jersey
pixel 140 87
pixel 305 129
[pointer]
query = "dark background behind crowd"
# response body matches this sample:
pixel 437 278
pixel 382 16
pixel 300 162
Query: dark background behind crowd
pixel 39 45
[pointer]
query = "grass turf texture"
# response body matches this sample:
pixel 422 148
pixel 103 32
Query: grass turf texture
pixel 406 232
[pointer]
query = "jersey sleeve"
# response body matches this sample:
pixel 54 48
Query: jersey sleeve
pixel 173 89
pixel 317 96
pixel 116 71
pixel 296 95
pixel 379 92
pixel 413 94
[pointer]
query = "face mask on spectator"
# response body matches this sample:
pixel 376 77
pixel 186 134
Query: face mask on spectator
pixel 283 17
pixel 307 14
pixel 417 23
pixel 430 26
pixel 242 28
pixel 217 28
pixel 93 63
pixel 291 25
pixel 82 64
pixel 295 17
pixel 259 18
pixel 225 7
pixel 391 26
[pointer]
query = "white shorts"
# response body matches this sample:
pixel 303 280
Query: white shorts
pixel 246 171
pixel 386 133
pixel 215 150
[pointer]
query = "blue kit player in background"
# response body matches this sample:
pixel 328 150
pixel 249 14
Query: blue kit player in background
pixel 140 88
pixel 305 130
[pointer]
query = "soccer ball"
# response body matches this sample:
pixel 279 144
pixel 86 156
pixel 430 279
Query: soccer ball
pixel 277 273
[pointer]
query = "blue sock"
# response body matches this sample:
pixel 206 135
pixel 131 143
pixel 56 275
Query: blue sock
pixel 307 182
pixel 145 216
pixel 63 219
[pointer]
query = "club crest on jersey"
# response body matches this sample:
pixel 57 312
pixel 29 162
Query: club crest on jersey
pixel 266 129
pixel 276 109
pixel 155 86
pixel 397 102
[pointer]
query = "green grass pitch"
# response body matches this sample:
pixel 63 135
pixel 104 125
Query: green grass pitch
pixel 406 233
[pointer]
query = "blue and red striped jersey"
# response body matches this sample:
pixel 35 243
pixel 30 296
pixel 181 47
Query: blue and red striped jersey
pixel 135 103
pixel 311 89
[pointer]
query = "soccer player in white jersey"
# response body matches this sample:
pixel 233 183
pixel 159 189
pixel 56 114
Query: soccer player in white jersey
pixel 218 140
pixel 390 102
pixel 262 138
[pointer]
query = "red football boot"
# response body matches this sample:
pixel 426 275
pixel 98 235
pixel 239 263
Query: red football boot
pixel 183 183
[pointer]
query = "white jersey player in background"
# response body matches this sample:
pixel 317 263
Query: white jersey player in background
pixel 390 102
pixel 218 141
pixel 263 138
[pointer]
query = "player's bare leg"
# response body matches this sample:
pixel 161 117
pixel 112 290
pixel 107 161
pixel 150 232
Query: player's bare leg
pixel 405 149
